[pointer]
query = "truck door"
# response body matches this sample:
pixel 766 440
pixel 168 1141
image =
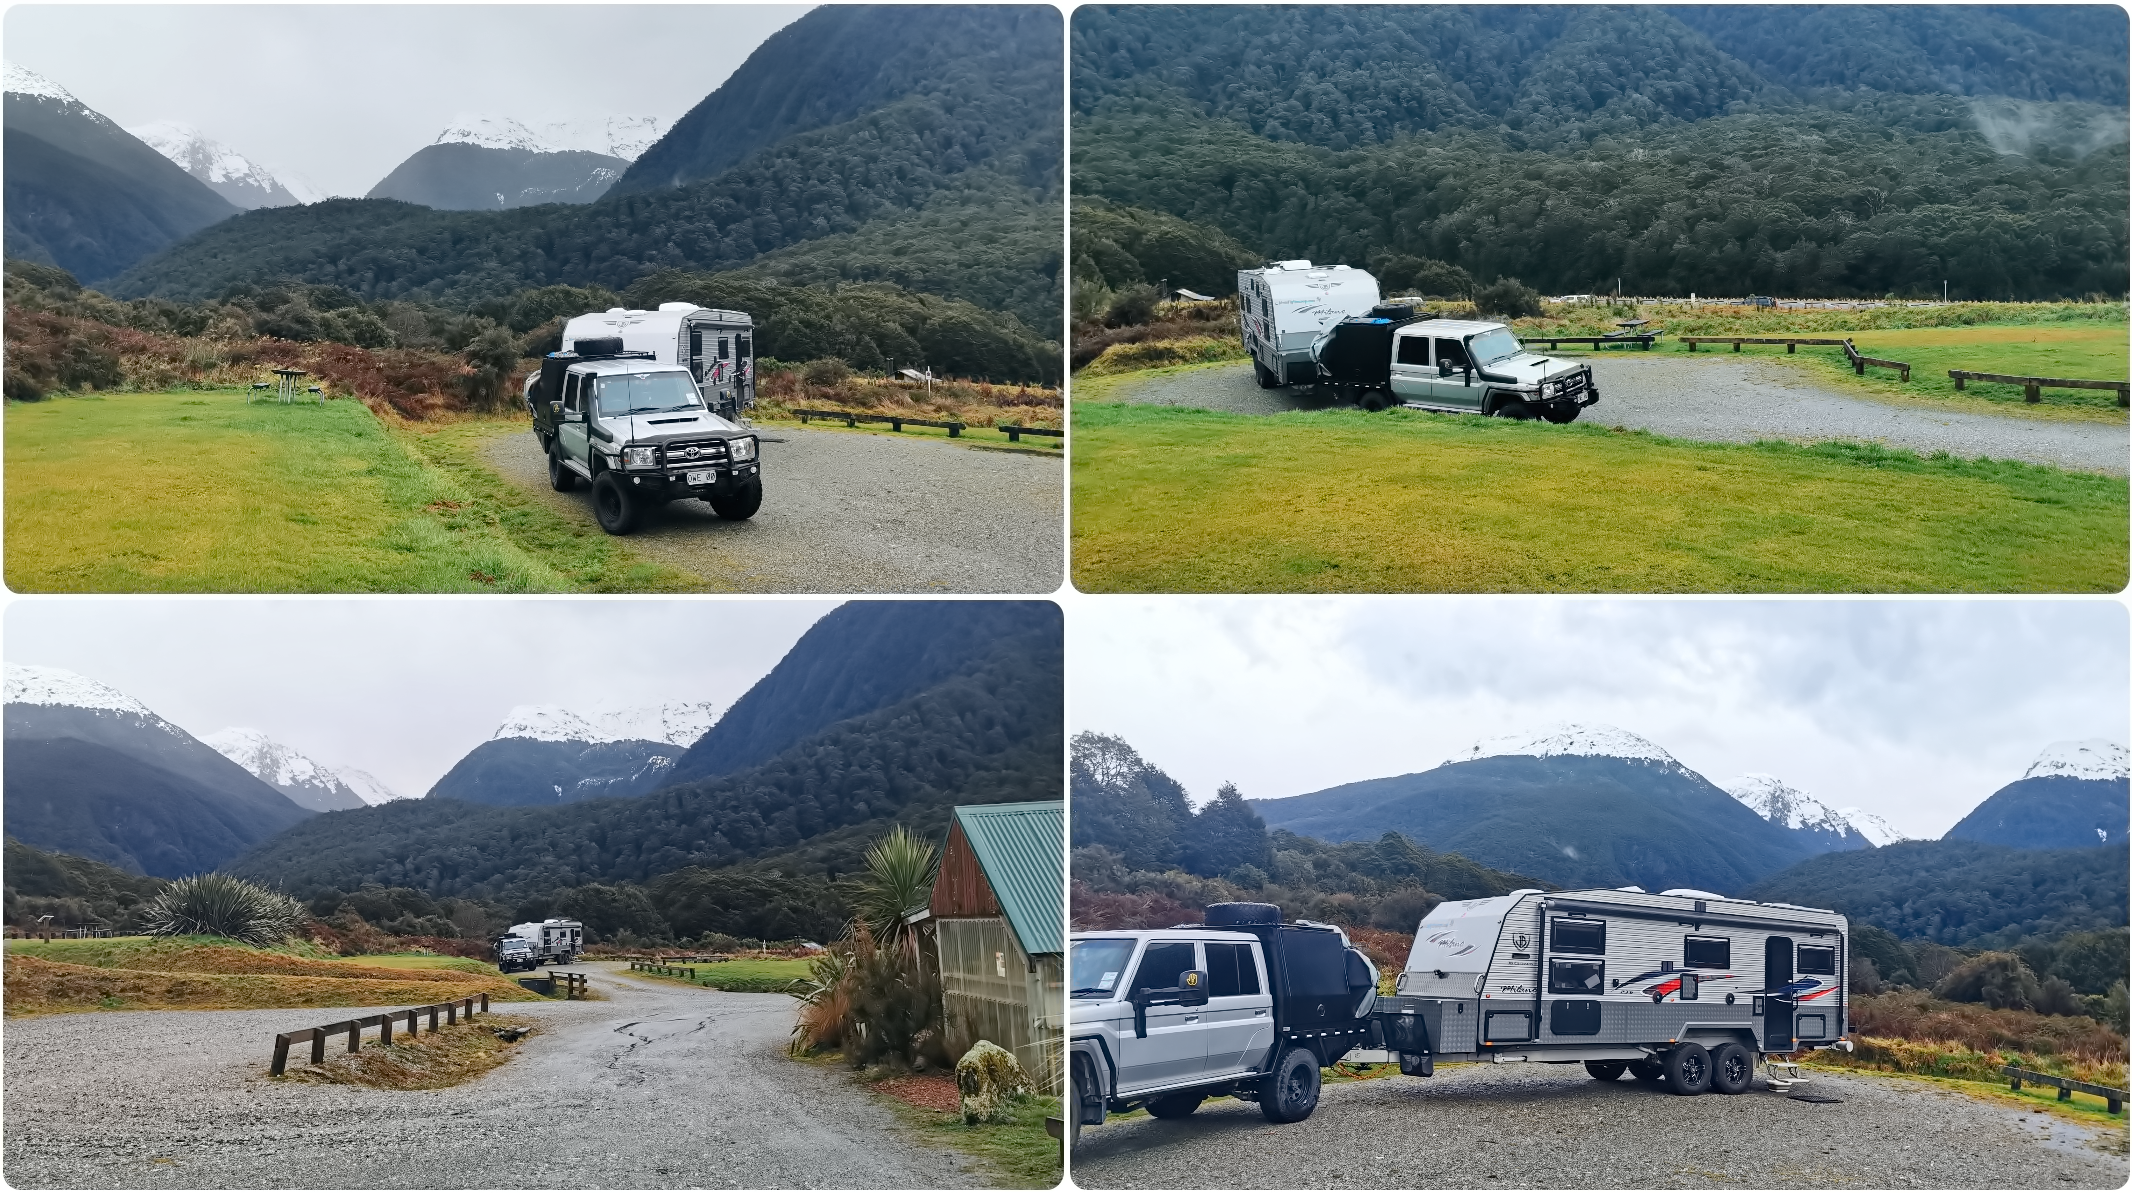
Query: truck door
pixel 1777 1011
pixel 1410 368
pixel 571 432
pixel 1239 1011
pixel 1459 388
pixel 1175 1049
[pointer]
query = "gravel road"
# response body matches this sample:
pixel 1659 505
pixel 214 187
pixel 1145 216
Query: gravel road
pixel 845 512
pixel 1552 1126
pixel 662 1086
pixel 1727 401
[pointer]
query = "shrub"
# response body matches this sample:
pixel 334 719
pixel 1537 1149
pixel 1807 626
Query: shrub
pixel 1133 306
pixel 1508 298
pixel 2001 981
pixel 826 373
pixel 222 905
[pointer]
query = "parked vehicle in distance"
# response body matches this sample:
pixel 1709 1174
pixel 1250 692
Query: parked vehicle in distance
pixel 716 347
pixel 1286 306
pixel 1684 988
pixel 1246 1005
pixel 1389 357
pixel 639 433
pixel 531 945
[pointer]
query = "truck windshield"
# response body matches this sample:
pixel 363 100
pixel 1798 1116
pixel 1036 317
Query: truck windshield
pixel 646 393
pixel 1492 346
pixel 1099 965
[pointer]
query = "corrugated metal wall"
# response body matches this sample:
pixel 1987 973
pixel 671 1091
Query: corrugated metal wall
pixel 989 993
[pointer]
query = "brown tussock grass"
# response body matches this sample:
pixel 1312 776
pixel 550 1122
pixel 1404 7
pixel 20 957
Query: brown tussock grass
pixel 432 1060
pixel 38 987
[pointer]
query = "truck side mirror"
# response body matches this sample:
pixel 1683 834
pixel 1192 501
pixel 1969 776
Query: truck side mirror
pixel 1443 368
pixel 1192 988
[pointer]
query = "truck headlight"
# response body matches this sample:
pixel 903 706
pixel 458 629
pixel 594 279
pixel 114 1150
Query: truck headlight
pixel 742 449
pixel 640 457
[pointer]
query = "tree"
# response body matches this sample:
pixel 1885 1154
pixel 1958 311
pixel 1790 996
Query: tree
pixel 1121 801
pixel 1226 834
pixel 898 880
pixel 494 357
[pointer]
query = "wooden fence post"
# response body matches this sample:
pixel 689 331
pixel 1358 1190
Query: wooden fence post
pixel 281 1056
pixel 385 1029
pixel 2032 393
pixel 432 1016
pixel 484 1002
pixel 318 1047
pixel 355 1036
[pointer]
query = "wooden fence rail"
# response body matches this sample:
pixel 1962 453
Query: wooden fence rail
pixel 1014 433
pixel 1791 346
pixel 353 1029
pixel 669 971
pixel 895 421
pixel 2032 387
pixel 2067 1086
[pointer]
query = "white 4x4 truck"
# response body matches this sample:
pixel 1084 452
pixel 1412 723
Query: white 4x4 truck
pixel 1460 366
pixel 1247 1005
pixel 639 432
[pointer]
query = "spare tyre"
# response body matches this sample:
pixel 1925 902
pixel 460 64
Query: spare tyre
pixel 604 346
pixel 1225 915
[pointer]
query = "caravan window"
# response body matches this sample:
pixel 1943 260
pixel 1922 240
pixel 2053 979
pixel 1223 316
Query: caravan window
pixel 1576 977
pixel 1230 970
pixel 1708 952
pixel 1814 958
pixel 1579 936
pixel 725 348
pixel 1413 350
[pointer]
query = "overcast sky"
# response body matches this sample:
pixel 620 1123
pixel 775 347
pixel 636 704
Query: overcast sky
pixel 1915 710
pixel 342 93
pixel 403 688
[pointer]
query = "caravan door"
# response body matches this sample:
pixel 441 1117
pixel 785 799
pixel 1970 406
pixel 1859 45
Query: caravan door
pixel 1777 1010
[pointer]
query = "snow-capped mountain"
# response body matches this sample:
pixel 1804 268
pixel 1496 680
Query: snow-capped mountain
pixel 675 722
pixel 624 137
pixel 20 80
pixel 1872 827
pixel 83 193
pixel 93 772
pixel 311 785
pixel 1569 739
pixel 2091 759
pixel 1788 807
pixel 2072 795
pixel 367 787
pixel 227 172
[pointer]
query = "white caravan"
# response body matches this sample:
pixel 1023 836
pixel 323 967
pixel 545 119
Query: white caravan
pixel 1682 988
pixel 1286 306
pixel 718 347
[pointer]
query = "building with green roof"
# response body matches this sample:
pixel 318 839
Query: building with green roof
pixel 999 921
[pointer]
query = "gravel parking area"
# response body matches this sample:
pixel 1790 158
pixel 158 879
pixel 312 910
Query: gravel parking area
pixel 1726 401
pixel 1552 1126
pixel 662 1086
pixel 846 512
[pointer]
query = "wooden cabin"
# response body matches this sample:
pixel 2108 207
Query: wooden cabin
pixel 999 923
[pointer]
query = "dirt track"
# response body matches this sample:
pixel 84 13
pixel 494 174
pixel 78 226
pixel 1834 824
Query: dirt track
pixel 1726 401
pixel 850 512
pixel 664 1086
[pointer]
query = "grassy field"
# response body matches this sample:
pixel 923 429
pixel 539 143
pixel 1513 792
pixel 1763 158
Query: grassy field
pixel 142 973
pixel 202 492
pixel 768 975
pixel 1169 500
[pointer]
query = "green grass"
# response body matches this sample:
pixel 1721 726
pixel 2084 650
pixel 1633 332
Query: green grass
pixel 421 961
pixel 1169 500
pixel 766 975
pixel 1024 1155
pixel 190 492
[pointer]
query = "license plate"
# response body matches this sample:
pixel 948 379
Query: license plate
pixel 704 477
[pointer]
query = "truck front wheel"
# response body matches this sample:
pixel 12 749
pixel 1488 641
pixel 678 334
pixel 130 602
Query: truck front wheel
pixel 1075 1111
pixel 613 505
pixel 1290 1091
pixel 740 504
pixel 1563 413
pixel 560 478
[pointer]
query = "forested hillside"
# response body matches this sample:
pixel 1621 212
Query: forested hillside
pixel 982 140
pixel 1601 144
pixel 1962 892
pixel 988 733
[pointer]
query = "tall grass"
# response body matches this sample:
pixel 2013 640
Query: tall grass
pixel 226 906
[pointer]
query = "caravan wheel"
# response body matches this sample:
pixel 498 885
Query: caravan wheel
pixel 1266 379
pixel 1650 1072
pixel 1606 1070
pixel 1688 1069
pixel 1731 1069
